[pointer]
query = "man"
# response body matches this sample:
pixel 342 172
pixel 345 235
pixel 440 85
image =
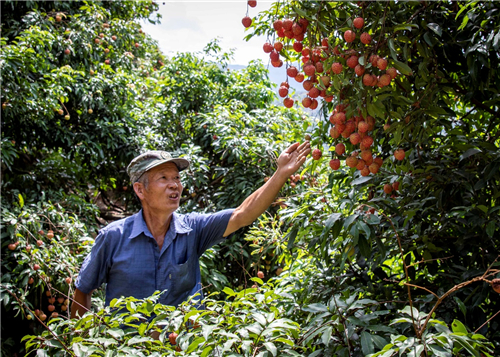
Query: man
pixel 157 249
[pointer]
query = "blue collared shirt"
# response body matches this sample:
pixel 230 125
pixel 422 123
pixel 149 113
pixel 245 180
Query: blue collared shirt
pixel 126 257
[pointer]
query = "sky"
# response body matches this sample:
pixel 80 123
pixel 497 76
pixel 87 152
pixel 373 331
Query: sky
pixel 188 25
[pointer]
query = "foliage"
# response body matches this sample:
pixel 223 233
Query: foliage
pixel 350 270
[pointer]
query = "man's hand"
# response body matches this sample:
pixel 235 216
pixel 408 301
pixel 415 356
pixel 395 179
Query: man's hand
pixel 254 205
pixel 292 158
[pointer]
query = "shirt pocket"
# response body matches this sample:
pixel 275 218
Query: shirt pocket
pixel 184 277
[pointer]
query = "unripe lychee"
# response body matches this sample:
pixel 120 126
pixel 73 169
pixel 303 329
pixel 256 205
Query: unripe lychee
pixel 349 36
pixel 316 154
pixel 335 164
pixel 246 21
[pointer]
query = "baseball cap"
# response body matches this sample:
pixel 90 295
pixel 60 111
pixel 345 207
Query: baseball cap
pixel 145 162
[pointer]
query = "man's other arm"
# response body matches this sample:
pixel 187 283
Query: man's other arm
pixel 81 303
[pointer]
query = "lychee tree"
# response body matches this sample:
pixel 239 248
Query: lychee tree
pixel 409 96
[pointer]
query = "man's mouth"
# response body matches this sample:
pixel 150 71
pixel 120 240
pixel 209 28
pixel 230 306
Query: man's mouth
pixel 174 195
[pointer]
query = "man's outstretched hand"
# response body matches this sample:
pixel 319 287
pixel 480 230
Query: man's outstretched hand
pixel 293 157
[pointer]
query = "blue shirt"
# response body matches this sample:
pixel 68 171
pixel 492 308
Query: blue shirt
pixel 126 257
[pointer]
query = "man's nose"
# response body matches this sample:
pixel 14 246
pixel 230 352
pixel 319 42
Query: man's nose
pixel 173 184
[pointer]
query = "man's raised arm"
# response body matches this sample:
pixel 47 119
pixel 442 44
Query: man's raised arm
pixel 254 205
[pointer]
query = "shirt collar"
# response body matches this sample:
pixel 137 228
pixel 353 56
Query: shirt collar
pixel 178 224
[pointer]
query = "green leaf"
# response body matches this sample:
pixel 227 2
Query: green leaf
pixel 364 247
pixel 490 229
pixel 271 348
pixel 327 334
pixel 360 180
pixel 316 307
pixel 366 343
pixel 469 152
pixel 206 351
pixel 458 327
pixel 461 305
pixel 194 345
pixel 436 28
pixel 402 68
pixel 229 291
pixel 334 217
pixel 21 201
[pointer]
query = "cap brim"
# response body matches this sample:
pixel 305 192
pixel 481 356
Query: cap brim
pixel 181 164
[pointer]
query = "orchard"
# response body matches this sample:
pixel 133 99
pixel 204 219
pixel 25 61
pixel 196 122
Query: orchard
pixel 385 243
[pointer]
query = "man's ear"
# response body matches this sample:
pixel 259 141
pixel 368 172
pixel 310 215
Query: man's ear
pixel 139 190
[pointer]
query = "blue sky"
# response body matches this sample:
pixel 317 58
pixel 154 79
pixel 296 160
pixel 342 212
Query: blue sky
pixel 187 26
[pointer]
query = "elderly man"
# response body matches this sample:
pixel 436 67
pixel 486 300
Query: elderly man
pixel 157 249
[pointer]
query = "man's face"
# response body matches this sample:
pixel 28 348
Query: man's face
pixel 163 192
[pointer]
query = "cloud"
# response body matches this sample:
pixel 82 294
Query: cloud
pixel 188 26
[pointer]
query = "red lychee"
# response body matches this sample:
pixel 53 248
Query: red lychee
pixel 349 36
pixel 246 21
pixel 365 38
pixel 336 67
pixel 316 154
pixel 358 22
pixel 399 154
pixel 335 164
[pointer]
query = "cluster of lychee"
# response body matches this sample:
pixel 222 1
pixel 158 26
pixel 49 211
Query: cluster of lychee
pixel 317 63
pixel 62 302
pixel 357 130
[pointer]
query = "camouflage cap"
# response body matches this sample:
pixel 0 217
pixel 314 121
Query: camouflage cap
pixel 145 162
